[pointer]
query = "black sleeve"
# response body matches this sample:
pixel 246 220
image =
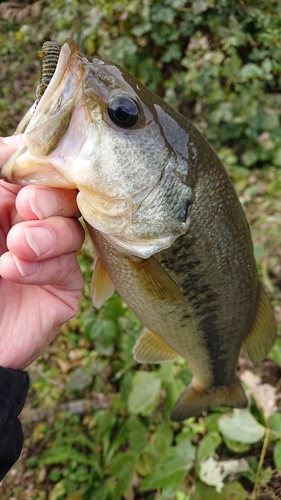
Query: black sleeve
pixel 14 385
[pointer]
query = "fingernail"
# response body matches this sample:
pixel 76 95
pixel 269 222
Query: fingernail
pixel 44 203
pixel 24 267
pixel 12 140
pixel 39 239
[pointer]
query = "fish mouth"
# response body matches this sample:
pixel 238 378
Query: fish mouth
pixel 47 122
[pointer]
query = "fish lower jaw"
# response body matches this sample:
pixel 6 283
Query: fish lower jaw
pixel 41 174
pixel 24 168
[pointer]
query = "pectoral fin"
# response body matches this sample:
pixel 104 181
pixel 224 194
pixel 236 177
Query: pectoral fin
pixel 262 335
pixel 155 281
pixel 194 401
pixel 149 348
pixel 102 286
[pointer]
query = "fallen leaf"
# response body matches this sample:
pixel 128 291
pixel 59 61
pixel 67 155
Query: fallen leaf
pixel 213 472
pixel 264 394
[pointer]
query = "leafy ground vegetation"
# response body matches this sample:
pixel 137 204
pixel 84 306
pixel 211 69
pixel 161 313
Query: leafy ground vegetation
pixel 97 423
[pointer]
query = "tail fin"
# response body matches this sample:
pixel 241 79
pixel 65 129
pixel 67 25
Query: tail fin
pixel 192 401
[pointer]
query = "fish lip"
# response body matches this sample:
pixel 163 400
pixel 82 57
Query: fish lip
pixel 17 174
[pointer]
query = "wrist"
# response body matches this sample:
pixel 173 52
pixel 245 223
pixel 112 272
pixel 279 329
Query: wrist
pixel 8 360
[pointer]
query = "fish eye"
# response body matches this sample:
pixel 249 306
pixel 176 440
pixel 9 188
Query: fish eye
pixel 123 111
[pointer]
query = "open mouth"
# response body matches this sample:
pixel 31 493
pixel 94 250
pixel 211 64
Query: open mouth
pixel 47 122
pixel 57 95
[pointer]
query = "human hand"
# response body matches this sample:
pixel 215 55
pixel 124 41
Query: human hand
pixel 40 281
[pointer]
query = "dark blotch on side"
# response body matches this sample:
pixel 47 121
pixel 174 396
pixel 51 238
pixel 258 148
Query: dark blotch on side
pixel 184 261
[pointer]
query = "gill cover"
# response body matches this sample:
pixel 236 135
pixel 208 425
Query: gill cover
pixel 97 129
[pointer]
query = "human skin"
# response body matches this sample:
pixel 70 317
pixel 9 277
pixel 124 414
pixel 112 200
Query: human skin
pixel 40 279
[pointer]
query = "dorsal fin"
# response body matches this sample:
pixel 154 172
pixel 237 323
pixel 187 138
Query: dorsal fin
pixel 149 348
pixel 155 281
pixel 102 286
pixel 262 335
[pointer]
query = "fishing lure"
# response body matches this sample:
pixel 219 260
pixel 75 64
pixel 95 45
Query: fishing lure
pixel 49 54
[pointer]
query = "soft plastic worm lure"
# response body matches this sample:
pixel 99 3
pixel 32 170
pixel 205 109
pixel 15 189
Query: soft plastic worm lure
pixel 49 54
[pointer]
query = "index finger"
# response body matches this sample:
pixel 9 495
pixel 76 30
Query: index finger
pixel 39 202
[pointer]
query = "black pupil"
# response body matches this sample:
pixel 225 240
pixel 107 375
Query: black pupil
pixel 124 112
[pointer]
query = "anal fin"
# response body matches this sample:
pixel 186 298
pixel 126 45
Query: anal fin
pixel 262 335
pixel 102 286
pixel 193 401
pixel 149 348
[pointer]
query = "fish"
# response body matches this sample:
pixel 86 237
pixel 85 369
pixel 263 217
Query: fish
pixel 169 230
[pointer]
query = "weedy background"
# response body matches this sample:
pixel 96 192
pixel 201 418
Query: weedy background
pixel 96 423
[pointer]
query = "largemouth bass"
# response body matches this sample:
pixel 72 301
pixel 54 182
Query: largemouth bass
pixel 168 227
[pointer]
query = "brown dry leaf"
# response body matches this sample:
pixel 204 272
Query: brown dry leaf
pixel 17 11
pixel 63 365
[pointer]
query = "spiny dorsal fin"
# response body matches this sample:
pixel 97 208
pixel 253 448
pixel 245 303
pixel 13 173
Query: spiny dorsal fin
pixel 262 335
pixel 193 402
pixel 155 281
pixel 102 286
pixel 149 348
